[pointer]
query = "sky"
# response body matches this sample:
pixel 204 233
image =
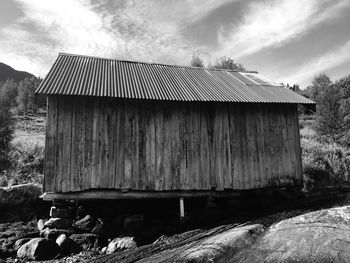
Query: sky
pixel 289 41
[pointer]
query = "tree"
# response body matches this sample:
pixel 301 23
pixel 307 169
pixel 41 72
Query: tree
pixel 6 132
pixel 319 84
pixel 8 94
pixel 26 97
pixel 227 63
pixel 343 85
pixel 329 124
pixel 196 61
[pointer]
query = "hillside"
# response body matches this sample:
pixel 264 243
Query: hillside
pixel 7 72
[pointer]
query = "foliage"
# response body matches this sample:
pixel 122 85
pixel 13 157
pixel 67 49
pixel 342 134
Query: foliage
pixel 320 84
pixel 6 130
pixel 227 63
pixel 329 124
pixel 8 93
pixel 316 177
pixel 324 164
pixel 343 87
pixel 6 134
pixel 26 165
pixel 26 98
pixel 196 61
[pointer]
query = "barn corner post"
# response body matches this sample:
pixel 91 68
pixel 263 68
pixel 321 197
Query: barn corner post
pixel 164 131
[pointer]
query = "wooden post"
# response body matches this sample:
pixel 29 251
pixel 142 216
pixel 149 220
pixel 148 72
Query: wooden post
pixel 182 209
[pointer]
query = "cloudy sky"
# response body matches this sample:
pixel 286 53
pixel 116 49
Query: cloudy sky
pixel 289 41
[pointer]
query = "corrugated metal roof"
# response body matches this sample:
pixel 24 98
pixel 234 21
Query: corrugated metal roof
pixel 93 76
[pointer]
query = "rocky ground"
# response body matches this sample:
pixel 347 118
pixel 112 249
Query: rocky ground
pixel 318 232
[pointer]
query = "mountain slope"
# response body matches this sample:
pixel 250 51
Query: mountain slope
pixel 7 72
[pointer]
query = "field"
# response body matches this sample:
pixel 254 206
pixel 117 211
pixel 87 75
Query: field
pixel 324 164
pixel 27 151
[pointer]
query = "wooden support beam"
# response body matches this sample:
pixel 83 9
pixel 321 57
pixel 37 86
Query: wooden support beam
pixel 182 209
pixel 118 194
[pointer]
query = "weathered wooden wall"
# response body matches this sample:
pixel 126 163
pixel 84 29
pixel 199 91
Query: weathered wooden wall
pixel 160 145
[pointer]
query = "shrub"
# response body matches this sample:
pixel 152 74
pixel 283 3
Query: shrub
pixel 26 166
pixel 6 132
pixel 324 159
pixel 316 177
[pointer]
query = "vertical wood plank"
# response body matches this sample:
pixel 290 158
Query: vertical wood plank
pixel 128 144
pixel 159 146
pixel 50 144
pixel 150 148
pixel 120 151
pixel 76 159
pixel 60 143
pixel 112 146
pixel 299 168
pixel 135 146
pixel 226 161
pixel 183 147
pixel 142 113
pixel 88 147
pixel 218 146
pixel 261 137
pixel 167 168
pixel 211 111
pixel 234 147
pixel 176 148
pixel 67 142
pixel 95 144
pixel 204 149
pixel 196 146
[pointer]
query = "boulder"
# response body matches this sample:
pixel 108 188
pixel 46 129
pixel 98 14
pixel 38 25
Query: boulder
pixel 133 224
pixel 85 240
pixel 121 243
pixel 6 248
pixel 54 233
pixel 61 212
pixel 81 212
pixel 41 224
pixel 320 236
pixel 67 245
pixel 104 250
pixel 23 194
pixel 86 224
pixel 200 245
pixel 99 227
pixel 60 223
pixel 20 242
pixel 39 249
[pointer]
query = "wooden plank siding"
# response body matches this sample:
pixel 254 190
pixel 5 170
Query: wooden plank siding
pixel 102 143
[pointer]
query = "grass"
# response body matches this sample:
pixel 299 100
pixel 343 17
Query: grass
pixel 324 164
pixel 27 152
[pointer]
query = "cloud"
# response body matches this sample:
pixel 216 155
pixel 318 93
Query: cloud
pixel 139 30
pixel 273 23
pixel 318 65
pixel 152 30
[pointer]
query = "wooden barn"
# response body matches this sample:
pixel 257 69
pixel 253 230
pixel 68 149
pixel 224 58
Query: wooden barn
pixel 124 129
